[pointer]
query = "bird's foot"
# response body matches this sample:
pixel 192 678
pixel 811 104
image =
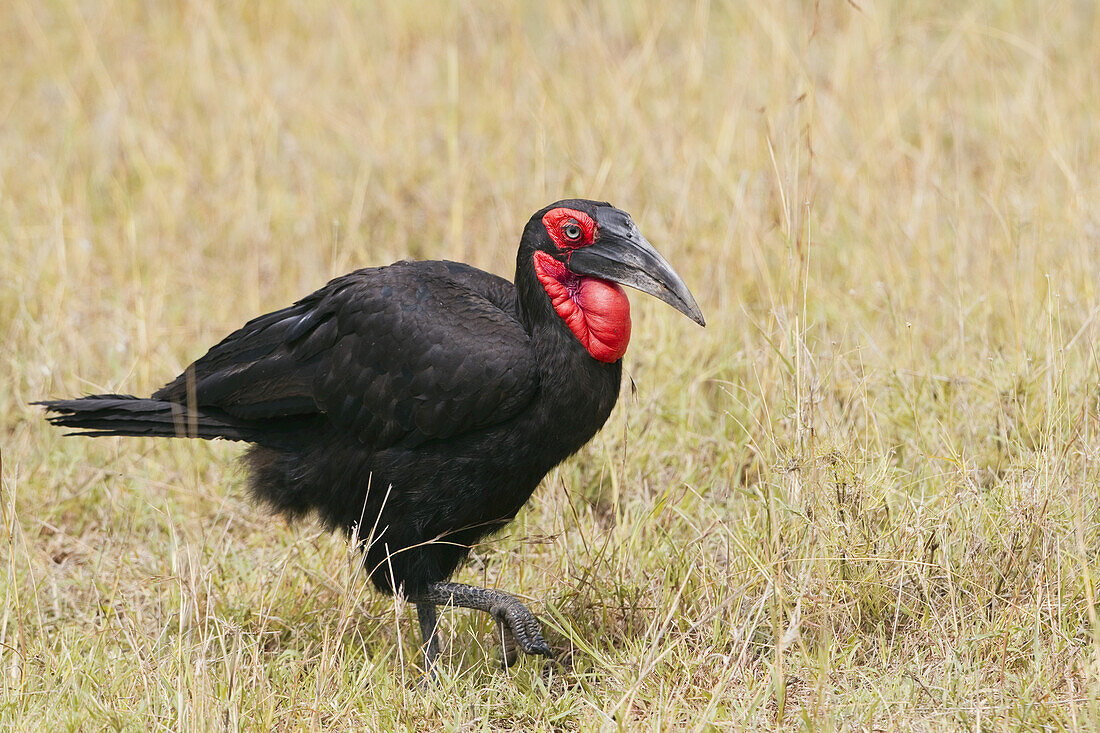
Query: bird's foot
pixel 525 630
pixel 514 619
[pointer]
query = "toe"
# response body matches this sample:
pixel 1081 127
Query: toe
pixel 539 646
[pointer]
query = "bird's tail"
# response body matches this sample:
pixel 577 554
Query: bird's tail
pixel 113 414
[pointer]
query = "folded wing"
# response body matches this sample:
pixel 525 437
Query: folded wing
pixel 407 353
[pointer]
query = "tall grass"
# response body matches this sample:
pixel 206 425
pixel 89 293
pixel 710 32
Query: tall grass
pixel 865 497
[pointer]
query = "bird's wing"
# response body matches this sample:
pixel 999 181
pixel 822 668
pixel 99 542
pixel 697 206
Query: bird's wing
pixel 416 350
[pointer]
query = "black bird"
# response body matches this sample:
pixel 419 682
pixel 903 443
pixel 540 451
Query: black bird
pixel 417 406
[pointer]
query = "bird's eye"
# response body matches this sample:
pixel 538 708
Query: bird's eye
pixel 571 230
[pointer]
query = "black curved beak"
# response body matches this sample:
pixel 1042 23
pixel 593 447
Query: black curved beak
pixel 621 254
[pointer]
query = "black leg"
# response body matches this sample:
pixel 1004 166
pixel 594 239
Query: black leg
pixel 428 625
pixel 506 609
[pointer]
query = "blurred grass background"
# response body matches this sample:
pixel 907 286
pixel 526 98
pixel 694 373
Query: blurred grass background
pixel 865 497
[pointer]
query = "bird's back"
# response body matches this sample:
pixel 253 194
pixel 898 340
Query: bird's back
pixel 409 352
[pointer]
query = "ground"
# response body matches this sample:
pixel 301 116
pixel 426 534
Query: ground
pixel 865 497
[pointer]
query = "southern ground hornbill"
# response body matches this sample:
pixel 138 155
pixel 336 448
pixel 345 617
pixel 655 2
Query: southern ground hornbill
pixel 417 406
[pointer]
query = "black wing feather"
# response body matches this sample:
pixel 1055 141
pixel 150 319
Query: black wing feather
pixel 409 352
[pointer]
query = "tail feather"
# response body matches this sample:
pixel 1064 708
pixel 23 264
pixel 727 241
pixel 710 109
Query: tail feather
pixel 112 414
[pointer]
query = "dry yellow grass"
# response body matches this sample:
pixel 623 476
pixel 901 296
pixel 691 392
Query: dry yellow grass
pixel 864 498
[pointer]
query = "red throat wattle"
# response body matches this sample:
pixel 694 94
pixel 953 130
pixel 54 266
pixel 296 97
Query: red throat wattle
pixel 596 311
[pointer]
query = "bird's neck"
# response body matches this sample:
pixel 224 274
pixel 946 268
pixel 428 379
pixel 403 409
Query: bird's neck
pixel 577 391
pixel 596 312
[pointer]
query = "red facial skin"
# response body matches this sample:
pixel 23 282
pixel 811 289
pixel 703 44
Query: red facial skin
pixel 596 311
pixel 555 221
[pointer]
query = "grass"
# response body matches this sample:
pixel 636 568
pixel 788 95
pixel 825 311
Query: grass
pixel 864 498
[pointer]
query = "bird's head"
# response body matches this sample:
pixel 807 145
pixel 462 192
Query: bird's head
pixel 581 251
